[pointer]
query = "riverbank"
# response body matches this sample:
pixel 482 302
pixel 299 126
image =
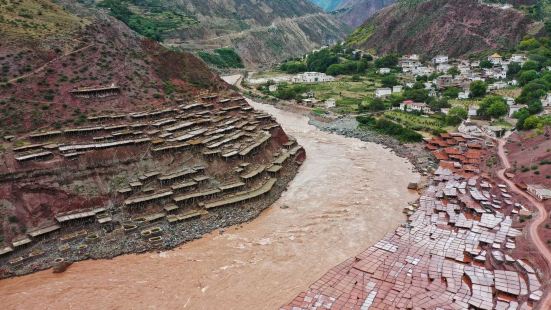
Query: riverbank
pixel 416 153
pixel 347 126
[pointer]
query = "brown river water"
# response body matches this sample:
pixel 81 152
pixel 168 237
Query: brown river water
pixel 347 195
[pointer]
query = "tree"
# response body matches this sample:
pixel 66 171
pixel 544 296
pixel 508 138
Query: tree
pixel 529 44
pixel 530 65
pixel 521 116
pixel 493 107
pixel 387 61
pixel 376 104
pixel 293 67
pixel 321 60
pixel 527 76
pixel 456 115
pixel 451 92
pixel 535 107
pixel 478 89
pixel 513 69
pixel 453 71
pixel 389 80
pixel 486 64
pixel 531 122
pixel 438 104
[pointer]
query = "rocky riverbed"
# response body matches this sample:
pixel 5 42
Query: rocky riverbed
pixel 348 127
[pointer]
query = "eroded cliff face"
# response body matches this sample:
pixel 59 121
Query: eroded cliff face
pixel 263 33
pixel 455 28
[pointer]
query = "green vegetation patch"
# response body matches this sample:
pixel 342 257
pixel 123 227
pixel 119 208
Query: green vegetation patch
pixel 223 58
pixel 388 127
pixel 148 17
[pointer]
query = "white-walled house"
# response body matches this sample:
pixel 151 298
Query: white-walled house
pixel 515 108
pixel 510 101
pixel 410 105
pixel 330 103
pixel 312 77
pixel 498 85
pixel 397 89
pixel 518 58
pixel 272 88
pixel 546 102
pixel 383 92
pixel 464 95
pixel 473 110
pixel 443 68
pixel 383 71
pixel 440 59
pixel 496 59
pixel 420 71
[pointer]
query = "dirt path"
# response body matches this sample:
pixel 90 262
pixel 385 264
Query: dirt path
pixel 533 226
pixel 41 68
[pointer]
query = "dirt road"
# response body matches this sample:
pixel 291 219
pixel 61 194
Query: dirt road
pixel 541 216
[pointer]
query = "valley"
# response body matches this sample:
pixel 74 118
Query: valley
pixel 293 154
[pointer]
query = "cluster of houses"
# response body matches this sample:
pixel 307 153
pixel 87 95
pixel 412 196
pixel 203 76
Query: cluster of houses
pixel 466 73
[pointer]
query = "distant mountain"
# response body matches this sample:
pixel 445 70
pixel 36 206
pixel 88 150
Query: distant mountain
pixel 455 28
pixel 328 5
pixel 356 12
pixel 353 12
pixel 262 32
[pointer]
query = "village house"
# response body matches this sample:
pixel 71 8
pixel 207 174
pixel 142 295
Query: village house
pixel 408 62
pixel 312 77
pixel 383 92
pixel 422 70
pixel 383 71
pixel 539 191
pixel 464 94
pixel 445 81
pixel 546 102
pixel 469 128
pixel 498 85
pixel 410 105
pixel 473 110
pixel 510 101
pixel 440 59
pixel 495 59
pixel 330 103
pixel 495 73
pixel 397 89
pixel 443 68
pixel 515 108
pixel 272 88
pixel 518 58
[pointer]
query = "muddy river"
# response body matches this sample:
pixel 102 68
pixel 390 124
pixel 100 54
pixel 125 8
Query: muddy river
pixel 347 195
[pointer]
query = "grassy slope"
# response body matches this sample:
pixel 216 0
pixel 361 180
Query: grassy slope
pixel 35 18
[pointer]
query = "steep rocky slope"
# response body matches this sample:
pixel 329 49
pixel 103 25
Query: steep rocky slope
pixel 455 28
pixel 48 51
pixel 257 29
pixel 87 107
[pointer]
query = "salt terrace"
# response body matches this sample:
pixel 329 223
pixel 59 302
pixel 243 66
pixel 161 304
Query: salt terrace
pixel 452 253
pixel 211 157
